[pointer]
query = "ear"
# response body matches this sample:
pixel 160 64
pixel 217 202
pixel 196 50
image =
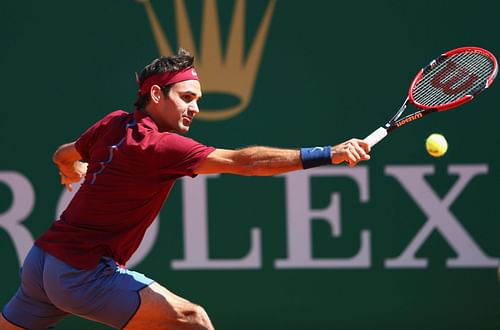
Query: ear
pixel 156 93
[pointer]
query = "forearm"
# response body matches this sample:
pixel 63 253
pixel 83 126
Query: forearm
pixel 66 155
pixel 67 160
pixel 251 161
pixel 267 161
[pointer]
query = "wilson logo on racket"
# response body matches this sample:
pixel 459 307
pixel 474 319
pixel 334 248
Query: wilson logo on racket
pixel 454 79
pixel 408 119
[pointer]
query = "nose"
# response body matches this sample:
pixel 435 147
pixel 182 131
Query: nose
pixel 193 107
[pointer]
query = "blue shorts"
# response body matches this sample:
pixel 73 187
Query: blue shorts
pixel 51 289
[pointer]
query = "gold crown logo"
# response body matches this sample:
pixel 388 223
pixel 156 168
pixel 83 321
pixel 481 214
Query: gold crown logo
pixel 222 74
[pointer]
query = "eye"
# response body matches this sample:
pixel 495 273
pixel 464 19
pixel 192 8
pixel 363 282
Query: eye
pixel 187 97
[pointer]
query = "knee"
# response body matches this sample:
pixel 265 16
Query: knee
pixel 198 317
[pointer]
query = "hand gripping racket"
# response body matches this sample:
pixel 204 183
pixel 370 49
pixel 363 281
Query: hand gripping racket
pixel 452 79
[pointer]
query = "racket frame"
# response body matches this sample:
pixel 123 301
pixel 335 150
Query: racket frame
pixel 424 110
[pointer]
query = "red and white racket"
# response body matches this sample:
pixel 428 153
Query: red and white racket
pixel 452 79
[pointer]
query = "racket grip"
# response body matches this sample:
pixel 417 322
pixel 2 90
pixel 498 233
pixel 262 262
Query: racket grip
pixel 376 136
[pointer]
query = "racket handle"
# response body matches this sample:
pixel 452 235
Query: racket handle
pixel 376 136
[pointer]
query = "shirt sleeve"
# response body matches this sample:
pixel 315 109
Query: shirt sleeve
pixel 85 142
pixel 180 155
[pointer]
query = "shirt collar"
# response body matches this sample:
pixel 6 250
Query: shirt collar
pixel 145 119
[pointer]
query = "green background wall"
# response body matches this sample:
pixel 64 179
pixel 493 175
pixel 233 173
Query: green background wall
pixel 329 71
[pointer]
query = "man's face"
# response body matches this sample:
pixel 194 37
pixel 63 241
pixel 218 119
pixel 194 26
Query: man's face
pixel 180 106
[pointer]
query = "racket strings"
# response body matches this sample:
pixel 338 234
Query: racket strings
pixel 452 78
pixel 432 94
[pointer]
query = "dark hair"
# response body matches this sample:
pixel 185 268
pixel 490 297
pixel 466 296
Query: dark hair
pixel 183 59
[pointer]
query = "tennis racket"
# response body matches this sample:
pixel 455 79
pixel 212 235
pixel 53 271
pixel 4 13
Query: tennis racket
pixel 452 79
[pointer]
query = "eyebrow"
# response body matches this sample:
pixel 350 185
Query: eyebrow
pixel 192 93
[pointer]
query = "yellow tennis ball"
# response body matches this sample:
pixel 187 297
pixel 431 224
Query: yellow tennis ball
pixel 436 145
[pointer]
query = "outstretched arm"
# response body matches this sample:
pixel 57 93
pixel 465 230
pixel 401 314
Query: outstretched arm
pixel 67 160
pixel 267 161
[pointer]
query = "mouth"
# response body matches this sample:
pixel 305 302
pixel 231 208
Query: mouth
pixel 187 120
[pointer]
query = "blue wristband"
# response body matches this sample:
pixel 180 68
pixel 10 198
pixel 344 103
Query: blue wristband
pixel 317 156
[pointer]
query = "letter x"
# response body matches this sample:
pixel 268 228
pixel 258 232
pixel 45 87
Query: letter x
pixel 439 216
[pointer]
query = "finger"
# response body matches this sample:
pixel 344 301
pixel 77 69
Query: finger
pixel 351 159
pixel 365 145
pixel 69 187
pixel 354 152
pixel 362 153
pixel 363 156
pixel 355 156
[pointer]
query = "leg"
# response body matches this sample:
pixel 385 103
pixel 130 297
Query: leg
pixel 29 307
pixel 6 325
pixel 119 298
pixel 162 309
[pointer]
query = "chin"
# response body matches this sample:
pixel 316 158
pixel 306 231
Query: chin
pixel 183 129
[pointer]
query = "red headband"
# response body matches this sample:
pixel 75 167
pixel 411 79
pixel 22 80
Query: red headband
pixel 167 78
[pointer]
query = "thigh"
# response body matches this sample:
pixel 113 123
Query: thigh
pixel 107 294
pixel 30 307
pixel 162 309
pixel 6 325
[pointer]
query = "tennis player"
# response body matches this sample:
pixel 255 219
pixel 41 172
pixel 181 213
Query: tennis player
pixel 130 162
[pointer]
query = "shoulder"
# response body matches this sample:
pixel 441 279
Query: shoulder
pixel 170 140
pixel 115 118
pixel 175 143
pixel 116 115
